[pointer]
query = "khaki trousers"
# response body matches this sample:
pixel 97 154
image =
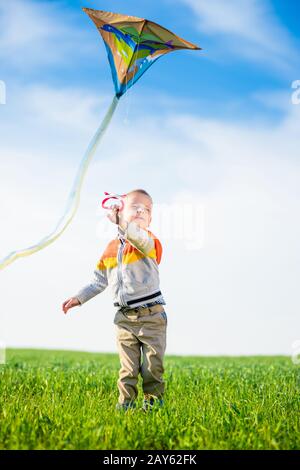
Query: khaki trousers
pixel 141 334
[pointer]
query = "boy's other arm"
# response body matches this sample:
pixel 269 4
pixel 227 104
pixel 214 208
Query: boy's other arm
pixel 97 285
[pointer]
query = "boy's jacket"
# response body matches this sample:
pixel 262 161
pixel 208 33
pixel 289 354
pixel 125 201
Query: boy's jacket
pixel 129 265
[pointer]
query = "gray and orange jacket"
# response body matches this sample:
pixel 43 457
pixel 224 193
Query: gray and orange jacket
pixel 129 265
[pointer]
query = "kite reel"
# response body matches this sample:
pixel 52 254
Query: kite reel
pixel 117 199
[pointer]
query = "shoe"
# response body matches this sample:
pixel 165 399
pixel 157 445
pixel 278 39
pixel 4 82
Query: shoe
pixel 152 402
pixel 125 406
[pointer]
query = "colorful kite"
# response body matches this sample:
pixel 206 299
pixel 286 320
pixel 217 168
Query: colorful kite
pixel 133 45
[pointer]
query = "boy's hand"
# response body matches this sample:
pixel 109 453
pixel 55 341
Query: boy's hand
pixel 72 302
pixel 114 215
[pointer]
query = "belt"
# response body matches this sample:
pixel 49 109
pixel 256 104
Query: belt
pixel 138 311
pixel 147 297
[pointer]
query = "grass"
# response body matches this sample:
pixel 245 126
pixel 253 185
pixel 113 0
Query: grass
pixel 66 400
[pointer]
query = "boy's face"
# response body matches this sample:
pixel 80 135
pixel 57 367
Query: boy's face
pixel 138 208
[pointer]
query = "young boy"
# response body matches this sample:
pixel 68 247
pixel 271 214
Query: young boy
pixel 129 265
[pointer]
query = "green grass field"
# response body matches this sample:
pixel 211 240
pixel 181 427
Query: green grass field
pixel 66 400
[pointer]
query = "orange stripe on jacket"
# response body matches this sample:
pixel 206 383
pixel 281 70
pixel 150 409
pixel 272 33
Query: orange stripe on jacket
pixel 130 253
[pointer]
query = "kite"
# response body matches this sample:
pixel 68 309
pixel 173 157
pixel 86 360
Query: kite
pixel 133 44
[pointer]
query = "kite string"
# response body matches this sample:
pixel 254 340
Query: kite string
pixel 74 196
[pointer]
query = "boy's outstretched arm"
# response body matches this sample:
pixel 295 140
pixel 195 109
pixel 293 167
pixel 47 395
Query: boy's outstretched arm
pixel 136 235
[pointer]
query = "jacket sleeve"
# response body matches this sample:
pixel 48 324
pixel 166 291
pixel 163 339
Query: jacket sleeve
pixel 138 237
pixel 158 250
pixel 97 284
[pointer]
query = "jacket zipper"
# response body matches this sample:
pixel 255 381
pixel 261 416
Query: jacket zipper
pixel 120 279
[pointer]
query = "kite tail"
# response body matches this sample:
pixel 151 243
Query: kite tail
pixel 74 196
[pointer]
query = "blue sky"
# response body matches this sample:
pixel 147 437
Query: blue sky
pixel 214 128
pixel 229 70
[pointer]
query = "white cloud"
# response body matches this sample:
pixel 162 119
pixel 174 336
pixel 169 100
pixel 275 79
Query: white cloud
pixel 248 28
pixel 68 107
pixel 238 294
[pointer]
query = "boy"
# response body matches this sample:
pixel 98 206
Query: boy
pixel 129 264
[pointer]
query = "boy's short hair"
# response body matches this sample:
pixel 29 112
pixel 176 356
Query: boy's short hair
pixel 141 191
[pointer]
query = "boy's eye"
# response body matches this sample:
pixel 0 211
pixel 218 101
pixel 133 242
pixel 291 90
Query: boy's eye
pixel 135 206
